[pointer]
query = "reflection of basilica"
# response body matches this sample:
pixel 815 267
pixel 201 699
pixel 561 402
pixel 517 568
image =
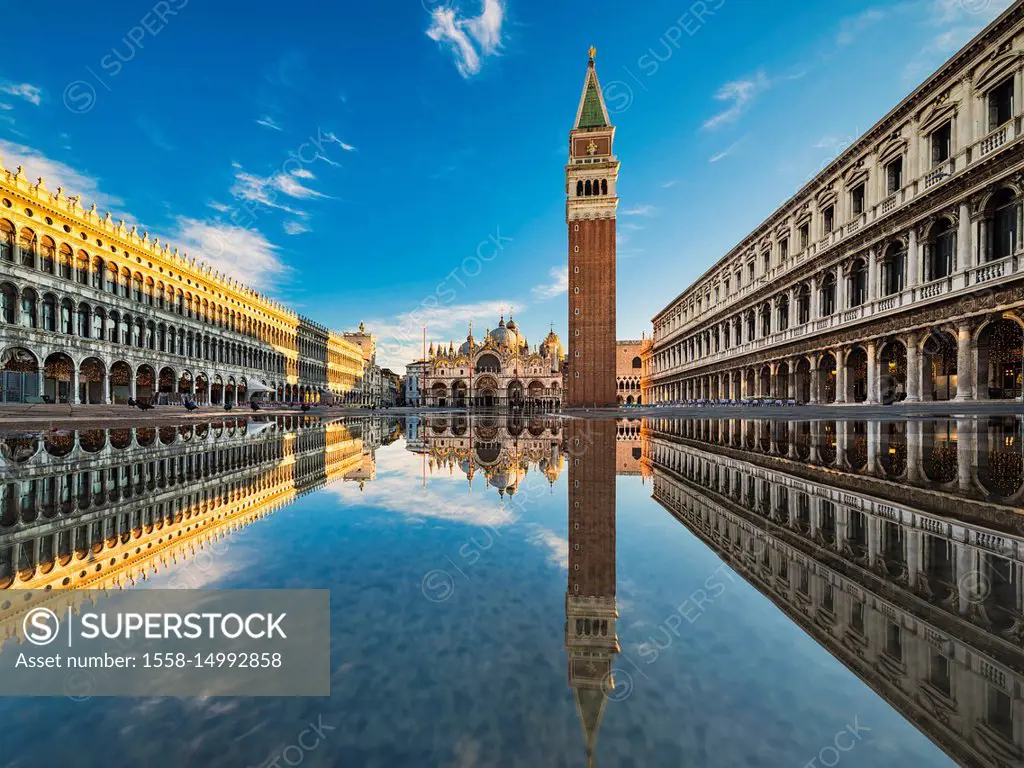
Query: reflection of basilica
pixel 99 509
pixel 499 370
pixel 897 546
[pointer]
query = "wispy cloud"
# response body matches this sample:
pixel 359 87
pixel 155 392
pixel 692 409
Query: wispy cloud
pixel 268 122
pixel 955 22
pixel 669 184
pixel 242 253
pixel 639 210
pixel 293 227
pixel 57 174
pixel 266 190
pixel 470 40
pixel 335 140
pixel 5 106
pixel 719 156
pixel 739 94
pixel 30 93
pixel 852 26
pixel 559 284
pixel 154 133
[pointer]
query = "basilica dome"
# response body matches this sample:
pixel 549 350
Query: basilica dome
pixel 552 345
pixel 506 335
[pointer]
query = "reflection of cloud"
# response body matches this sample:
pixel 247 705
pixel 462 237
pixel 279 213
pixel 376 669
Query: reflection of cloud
pixel 557 546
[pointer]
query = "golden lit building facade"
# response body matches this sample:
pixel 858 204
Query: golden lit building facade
pixel 92 311
pixel 896 546
pixel 896 273
pixel 499 370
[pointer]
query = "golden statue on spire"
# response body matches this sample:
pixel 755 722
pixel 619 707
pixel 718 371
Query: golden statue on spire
pixel 593 53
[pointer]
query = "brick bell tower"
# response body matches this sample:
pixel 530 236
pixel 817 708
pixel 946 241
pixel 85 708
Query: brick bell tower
pixel 591 203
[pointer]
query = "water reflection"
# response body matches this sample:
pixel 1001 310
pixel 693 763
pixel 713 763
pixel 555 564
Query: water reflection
pixel 896 545
pixel 102 508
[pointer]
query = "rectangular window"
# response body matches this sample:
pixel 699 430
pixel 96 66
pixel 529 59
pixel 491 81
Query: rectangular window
pixel 857 617
pixel 894 176
pixel 805 236
pixel 750 271
pixel 829 219
pixel 942 143
pixel 784 250
pixel 1000 104
pixel 766 261
pixel 894 641
pixel 857 199
pixel 938 672
pixel 999 714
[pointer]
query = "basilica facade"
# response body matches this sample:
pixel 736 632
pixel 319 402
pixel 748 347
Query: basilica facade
pixel 498 370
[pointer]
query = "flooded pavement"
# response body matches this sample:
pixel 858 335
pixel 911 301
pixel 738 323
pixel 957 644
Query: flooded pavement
pixel 509 591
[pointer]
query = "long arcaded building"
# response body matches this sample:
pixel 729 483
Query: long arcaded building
pixel 895 273
pixel 92 311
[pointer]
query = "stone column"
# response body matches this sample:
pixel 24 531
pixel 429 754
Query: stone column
pixel 840 290
pixel 963 238
pixel 964 372
pixel 840 355
pixel 914 370
pixel 842 438
pixel 913 259
pixel 913 549
pixel 965 452
pixel 815 394
pixel 131 383
pixel 874 440
pixel 914 448
pixel 792 378
pixel 874 539
pixel 874 393
pixel 105 383
pixel 842 526
pixel 872 277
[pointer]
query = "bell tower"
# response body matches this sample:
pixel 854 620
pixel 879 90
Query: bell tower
pixel 591 203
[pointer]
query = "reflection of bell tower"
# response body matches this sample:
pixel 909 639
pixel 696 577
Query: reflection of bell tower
pixel 590 207
pixel 590 612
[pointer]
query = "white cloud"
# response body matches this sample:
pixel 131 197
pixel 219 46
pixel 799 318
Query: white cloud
pixel 5 106
pixel 557 546
pixel 470 40
pixel 295 227
pixel 719 156
pixel 559 284
pixel 268 122
pixel 668 184
pixel 58 174
pixel 639 210
pixel 231 250
pixel 335 140
pixel 303 173
pixel 30 93
pixel 741 93
pixel 266 190
pixel 852 26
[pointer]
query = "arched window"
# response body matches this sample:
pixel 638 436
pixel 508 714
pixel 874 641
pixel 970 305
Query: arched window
pixel 636 362
pixel 8 300
pixel 604 186
pixel 751 326
pixel 858 283
pixel 766 320
pixel 98 271
pixel 803 304
pixel 66 262
pixel 28 248
pixel 48 254
pixel 28 308
pixel 828 295
pixel 940 251
pixel 49 313
pixel 893 267
pixel 111 285
pixel 137 288
pixel 588 188
pixel 66 318
pixel 579 188
pixel 84 313
pixel 1003 225
pixel 6 240
pixel 783 312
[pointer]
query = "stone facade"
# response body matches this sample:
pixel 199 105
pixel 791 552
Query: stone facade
pixel 591 204
pixel 896 273
pixel 93 312
pixel 628 372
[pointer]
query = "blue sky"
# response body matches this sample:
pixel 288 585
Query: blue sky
pixel 351 158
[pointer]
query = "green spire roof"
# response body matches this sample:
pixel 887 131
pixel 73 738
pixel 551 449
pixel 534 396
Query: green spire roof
pixel 592 114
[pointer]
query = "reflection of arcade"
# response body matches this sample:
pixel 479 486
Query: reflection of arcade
pixel 840 525
pixel 591 640
pixel 102 508
pixel 502 448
